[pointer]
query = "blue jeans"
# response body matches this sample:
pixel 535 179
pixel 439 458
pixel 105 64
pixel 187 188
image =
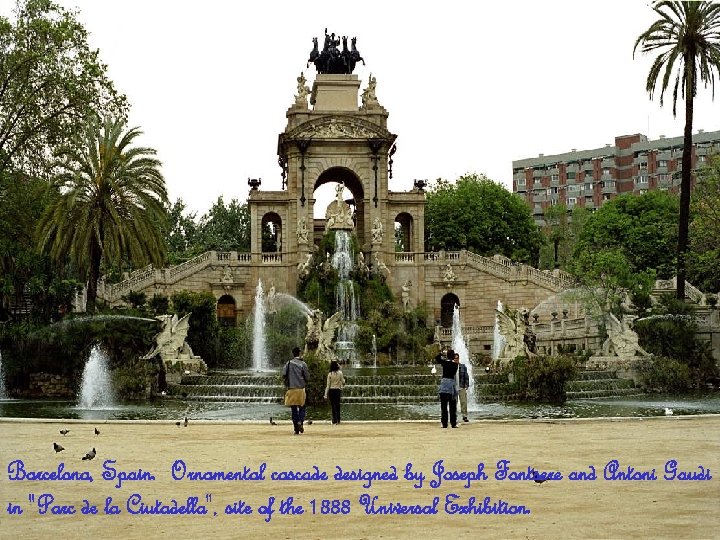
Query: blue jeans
pixel 298 414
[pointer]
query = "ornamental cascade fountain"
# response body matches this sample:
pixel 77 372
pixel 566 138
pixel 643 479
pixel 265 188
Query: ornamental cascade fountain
pixel 96 391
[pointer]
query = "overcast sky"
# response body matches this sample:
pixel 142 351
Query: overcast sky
pixel 470 86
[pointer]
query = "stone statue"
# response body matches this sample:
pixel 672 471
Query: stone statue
pixel 622 340
pixel 302 91
pixel 331 59
pixel 302 231
pixel 380 267
pixel 519 337
pixel 320 334
pixel 227 276
pixel 449 275
pixel 270 299
pixel 377 231
pixel 170 342
pixel 362 267
pixel 338 214
pixel 304 266
pixel 368 96
pixel 405 295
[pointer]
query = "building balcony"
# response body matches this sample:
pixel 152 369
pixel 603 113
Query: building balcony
pixel 539 173
pixel 608 162
pixel 572 167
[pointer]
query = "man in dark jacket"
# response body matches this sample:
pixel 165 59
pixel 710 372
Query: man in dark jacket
pixel 447 391
pixel 296 375
pixel 463 385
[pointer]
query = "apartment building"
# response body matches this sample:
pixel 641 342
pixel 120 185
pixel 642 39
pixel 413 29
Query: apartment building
pixel 587 178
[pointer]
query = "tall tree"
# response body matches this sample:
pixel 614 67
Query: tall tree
pixel 50 82
pixel 687 39
pixel 704 254
pixel 478 214
pixel 109 205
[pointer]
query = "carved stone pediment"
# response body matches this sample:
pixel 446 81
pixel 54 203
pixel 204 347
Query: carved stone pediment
pixel 335 128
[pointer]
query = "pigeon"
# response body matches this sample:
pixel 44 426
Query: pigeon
pixel 538 478
pixel 64 432
pixel 57 447
pixel 272 422
pixel 309 422
pixel 97 432
pixel 668 411
pixel 90 455
pixel 178 424
pixel 185 423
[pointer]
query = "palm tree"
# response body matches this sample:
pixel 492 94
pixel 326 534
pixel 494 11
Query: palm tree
pixel 687 35
pixel 109 206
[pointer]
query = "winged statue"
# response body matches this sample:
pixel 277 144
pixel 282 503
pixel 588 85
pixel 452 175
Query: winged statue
pixel 517 334
pixel 321 333
pixel 622 340
pixel 170 342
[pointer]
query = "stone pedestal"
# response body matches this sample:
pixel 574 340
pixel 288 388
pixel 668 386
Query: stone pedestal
pixel 335 93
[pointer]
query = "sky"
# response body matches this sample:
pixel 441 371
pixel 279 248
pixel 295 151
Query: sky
pixel 470 86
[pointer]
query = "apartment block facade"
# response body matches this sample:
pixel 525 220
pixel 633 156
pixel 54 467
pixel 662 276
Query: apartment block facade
pixel 587 178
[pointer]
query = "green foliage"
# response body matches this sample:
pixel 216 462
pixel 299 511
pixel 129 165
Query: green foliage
pixel 108 203
pixel 480 215
pixel 561 232
pixel 135 299
pixel 315 389
pixel 640 228
pixel 233 348
pixel 663 374
pixel 204 327
pixel 704 255
pixel 284 330
pixel 686 38
pixel 50 82
pixel 542 378
pixel 671 332
pixel 63 348
pixel 159 304
pixel 225 227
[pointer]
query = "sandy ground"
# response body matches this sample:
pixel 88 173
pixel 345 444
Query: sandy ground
pixel 562 508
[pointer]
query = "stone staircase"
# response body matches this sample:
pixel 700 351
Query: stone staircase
pixel 382 389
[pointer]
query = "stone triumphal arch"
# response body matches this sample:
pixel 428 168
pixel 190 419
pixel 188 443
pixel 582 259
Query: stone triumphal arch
pixel 337 134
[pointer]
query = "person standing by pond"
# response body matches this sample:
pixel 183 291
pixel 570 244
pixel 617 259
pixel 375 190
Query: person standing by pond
pixel 333 389
pixel 448 390
pixel 463 385
pixel 296 375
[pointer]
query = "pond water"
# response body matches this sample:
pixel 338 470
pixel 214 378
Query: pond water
pixel 173 409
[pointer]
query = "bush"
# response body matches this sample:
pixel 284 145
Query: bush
pixel 315 390
pixel 542 378
pixel 663 374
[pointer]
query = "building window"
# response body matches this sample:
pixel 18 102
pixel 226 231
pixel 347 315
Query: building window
pixel 643 164
pixel 662 163
pixel 521 182
pixel 588 186
pixel 554 177
pixel 606 170
pixel 642 179
pixel 572 201
pixel 609 184
pixel 574 188
pixel 664 177
pixel 643 191
pixel 701 159
pixel 571 175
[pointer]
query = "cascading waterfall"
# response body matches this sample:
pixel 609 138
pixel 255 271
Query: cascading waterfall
pixel 3 393
pixel 498 339
pixel 96 389
pixel 259 350
pixel 460 346
pixel 345 302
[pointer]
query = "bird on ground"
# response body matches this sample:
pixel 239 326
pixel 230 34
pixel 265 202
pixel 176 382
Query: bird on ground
pixel 668 411
pixel 64 432
pixel 57 447
pixel 539 479
pixel 178 423
pixel 309 422
pixel 89 455
pixel 97 432
pixel 185 423
pixel 272 422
